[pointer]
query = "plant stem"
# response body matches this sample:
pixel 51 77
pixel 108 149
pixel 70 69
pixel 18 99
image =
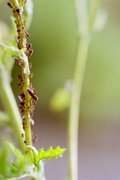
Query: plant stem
pixel 11 107
pixel 93 12
pixel 85 21
pixel 4 119
pixel 75 107
pixel 26 91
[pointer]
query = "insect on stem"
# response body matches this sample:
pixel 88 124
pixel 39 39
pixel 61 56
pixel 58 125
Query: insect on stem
pixel 27 97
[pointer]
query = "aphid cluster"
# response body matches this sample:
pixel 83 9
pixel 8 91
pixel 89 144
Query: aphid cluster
pixel 27 97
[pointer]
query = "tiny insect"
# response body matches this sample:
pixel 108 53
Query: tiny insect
pixel 9 4
pixel 22 95
pixel 29 46
pixel 27 34
pixel 18 11
pixel 35 138
pixel 32 94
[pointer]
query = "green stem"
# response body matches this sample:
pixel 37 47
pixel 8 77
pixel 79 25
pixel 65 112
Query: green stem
pixel 4 119
pixel 86 23
pixel 75 107
pixel 93 12
pixel 11 108
pixel 25 84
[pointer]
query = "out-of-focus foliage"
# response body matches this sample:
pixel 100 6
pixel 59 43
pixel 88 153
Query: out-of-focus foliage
pixel 10 168
pixel 60 100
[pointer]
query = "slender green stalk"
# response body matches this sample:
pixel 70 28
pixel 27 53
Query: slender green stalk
pixel 4 119
pixel 75 108
pixel 10 105
pixel 27 93
pixel 93 12
pixel 86 18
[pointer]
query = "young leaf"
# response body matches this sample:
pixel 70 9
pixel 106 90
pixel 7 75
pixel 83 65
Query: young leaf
pixel 50 153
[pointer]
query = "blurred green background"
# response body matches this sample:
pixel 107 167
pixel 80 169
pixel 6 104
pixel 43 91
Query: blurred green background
pixel 54 38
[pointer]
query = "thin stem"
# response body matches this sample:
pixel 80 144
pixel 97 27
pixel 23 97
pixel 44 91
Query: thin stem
pixel 94 10
pixel 75 107
pixel 11 108
pixel 86 18
pixel 27 94
pixel 4 119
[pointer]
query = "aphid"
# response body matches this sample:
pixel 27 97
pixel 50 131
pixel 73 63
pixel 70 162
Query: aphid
pixel 26 142
pixel 32 121
pixel 17 61
pixel 30 52
pixel 32 109
pixel 24 124
pixel 28 46
pixel 32 94
pixel 20 77
pixel 22 135
pixel 18 30
pixel 18 11
pixel 22 95
pixel 9 4
pixel 23 28
pixel 27 34
pixel 35 138
pixel 22 109
pixel 22 103
pixel 19 46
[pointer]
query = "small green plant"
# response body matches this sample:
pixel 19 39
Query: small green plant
pixel 25 160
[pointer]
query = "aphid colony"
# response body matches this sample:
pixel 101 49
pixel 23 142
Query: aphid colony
pixel 27 97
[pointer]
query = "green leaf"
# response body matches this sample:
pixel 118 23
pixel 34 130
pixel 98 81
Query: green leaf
pixel 50 153
pixel 22 163
pixel 14 150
